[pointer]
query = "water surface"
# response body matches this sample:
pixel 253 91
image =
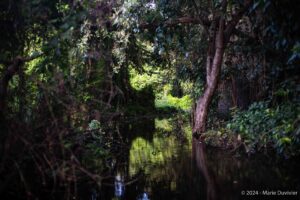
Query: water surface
pixel 163 162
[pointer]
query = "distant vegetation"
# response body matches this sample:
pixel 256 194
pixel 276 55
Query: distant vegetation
pixel 72 71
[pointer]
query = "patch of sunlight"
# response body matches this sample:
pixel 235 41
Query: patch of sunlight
pixel 183 103
pixel 187 131
pixel 146 156
pixel 163 124
pixel 173 186
pixel 150 77
pixel 152 156
pixel 33 65
pixel 141 153
pixel 187 87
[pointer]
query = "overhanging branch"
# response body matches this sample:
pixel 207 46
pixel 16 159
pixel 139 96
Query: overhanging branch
pixel 21 59
pixel 175 22
pixel 9 72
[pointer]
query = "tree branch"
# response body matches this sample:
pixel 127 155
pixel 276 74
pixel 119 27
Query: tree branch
pixel 235 19
pixel 175 22
pixel 10 71
pixel 20 58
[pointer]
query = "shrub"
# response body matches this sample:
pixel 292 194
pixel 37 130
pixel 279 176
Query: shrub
pixel 184 103
pixel 261 126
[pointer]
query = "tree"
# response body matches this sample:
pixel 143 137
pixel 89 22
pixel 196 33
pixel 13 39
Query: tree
pixel 220 32
pixel 21 26
pixel 218 20
pixel 12 69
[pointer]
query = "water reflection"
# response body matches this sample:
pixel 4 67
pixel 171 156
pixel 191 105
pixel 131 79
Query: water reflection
pixel 154 157
pixel 164 163
pixel 200 157
pixel 143 196
pixel 119 186
pixel 94 194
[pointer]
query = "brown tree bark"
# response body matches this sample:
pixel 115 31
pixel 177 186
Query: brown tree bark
pixel 213 68
pixel 219 32
pixel 218 40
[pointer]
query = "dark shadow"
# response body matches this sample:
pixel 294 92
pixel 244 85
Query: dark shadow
pixel 199 156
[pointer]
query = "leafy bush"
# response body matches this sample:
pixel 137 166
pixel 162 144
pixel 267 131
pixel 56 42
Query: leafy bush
pixel 149 77
pixel 184 103
pixel 94 125
pixel 261 126
pixel 97 144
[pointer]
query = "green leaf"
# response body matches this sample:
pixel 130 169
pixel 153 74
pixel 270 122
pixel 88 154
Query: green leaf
pixel 286 140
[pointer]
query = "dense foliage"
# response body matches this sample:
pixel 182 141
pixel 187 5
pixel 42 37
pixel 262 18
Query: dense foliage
pixel 262 127
pixel 70 71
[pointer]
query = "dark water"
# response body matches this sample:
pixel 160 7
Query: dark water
pixel 160 161
pixel 163 162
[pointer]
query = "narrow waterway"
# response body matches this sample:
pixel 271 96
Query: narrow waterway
pixel 162 162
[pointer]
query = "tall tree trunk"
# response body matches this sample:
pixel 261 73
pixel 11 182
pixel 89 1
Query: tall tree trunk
pixel 219 37
pixel 213 68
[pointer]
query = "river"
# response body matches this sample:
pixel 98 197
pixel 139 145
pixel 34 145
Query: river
pixel 162 161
